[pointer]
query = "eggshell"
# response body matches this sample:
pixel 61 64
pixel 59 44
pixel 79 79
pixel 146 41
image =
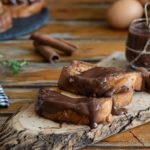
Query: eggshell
pixel 122 12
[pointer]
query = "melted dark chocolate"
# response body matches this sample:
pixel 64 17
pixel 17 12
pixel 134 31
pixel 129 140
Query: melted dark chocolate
pixel 92 82
pixel 101 72
pixel 52 102
pixel 118 111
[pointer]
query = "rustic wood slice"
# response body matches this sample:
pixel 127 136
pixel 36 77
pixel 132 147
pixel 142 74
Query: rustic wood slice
pixel 26 130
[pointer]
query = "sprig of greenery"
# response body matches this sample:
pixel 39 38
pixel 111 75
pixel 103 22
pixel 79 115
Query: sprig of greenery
pixel 14 65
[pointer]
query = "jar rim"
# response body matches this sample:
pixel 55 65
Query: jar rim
pixel 135 28
pixel 139 19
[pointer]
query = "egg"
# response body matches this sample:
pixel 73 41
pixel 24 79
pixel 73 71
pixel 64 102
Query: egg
pixel 122 12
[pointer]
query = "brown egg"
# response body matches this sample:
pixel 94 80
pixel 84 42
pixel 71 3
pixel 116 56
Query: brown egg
pixel 122 12
pixel 143 1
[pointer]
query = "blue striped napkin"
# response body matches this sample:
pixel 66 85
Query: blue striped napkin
pixel 4 102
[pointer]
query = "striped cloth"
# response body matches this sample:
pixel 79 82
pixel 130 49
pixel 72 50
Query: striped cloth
pixel 4 102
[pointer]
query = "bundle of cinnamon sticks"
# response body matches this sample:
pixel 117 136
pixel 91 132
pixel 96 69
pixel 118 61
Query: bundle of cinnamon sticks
pixel 46 46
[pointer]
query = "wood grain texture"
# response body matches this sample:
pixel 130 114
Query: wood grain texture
pixel 82 30
pixel 3 119
pixel 82 1
pixel 21 94
pixel 76 12
pixel 88 50
pixel 33 74
pixel 137 138
pixel 27 130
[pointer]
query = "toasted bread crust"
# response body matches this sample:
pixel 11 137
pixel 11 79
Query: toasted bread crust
pixel 103 114
pixel 102 108
pixel 122 82
pixel 70 80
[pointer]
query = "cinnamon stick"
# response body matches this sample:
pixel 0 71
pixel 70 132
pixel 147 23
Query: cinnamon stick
pixel 66 47
pixel 48 53
pixel 69 43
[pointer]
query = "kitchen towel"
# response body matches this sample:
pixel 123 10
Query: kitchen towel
pixel 4 102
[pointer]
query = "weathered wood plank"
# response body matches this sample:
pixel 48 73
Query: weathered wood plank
pixel 32 74
pixel 142 134
pixel 136 138
pixel 13 108
pixel 81 1
pixel 19 97
pixel 21 94
pixel 82 30
pixel 88 50
pixel 64 10
pixel 77 12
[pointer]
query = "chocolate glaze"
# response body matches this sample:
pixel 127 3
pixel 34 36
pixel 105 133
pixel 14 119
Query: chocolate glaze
pixel 52 102
pixel 137 37
pixel 118 111
pixel 90 83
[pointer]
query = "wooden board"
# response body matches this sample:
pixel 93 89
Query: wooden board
pixel 27 130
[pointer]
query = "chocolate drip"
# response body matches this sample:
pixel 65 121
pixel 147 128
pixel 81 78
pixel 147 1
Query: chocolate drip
pixel 118 111
pixel 92 82
pixel 52 102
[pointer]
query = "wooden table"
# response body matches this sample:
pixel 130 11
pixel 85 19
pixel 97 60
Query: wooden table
pixel 82 22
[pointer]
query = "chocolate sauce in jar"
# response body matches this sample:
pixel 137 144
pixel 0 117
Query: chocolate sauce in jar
pixel 138 37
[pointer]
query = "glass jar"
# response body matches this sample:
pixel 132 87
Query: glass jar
pixel 138 44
